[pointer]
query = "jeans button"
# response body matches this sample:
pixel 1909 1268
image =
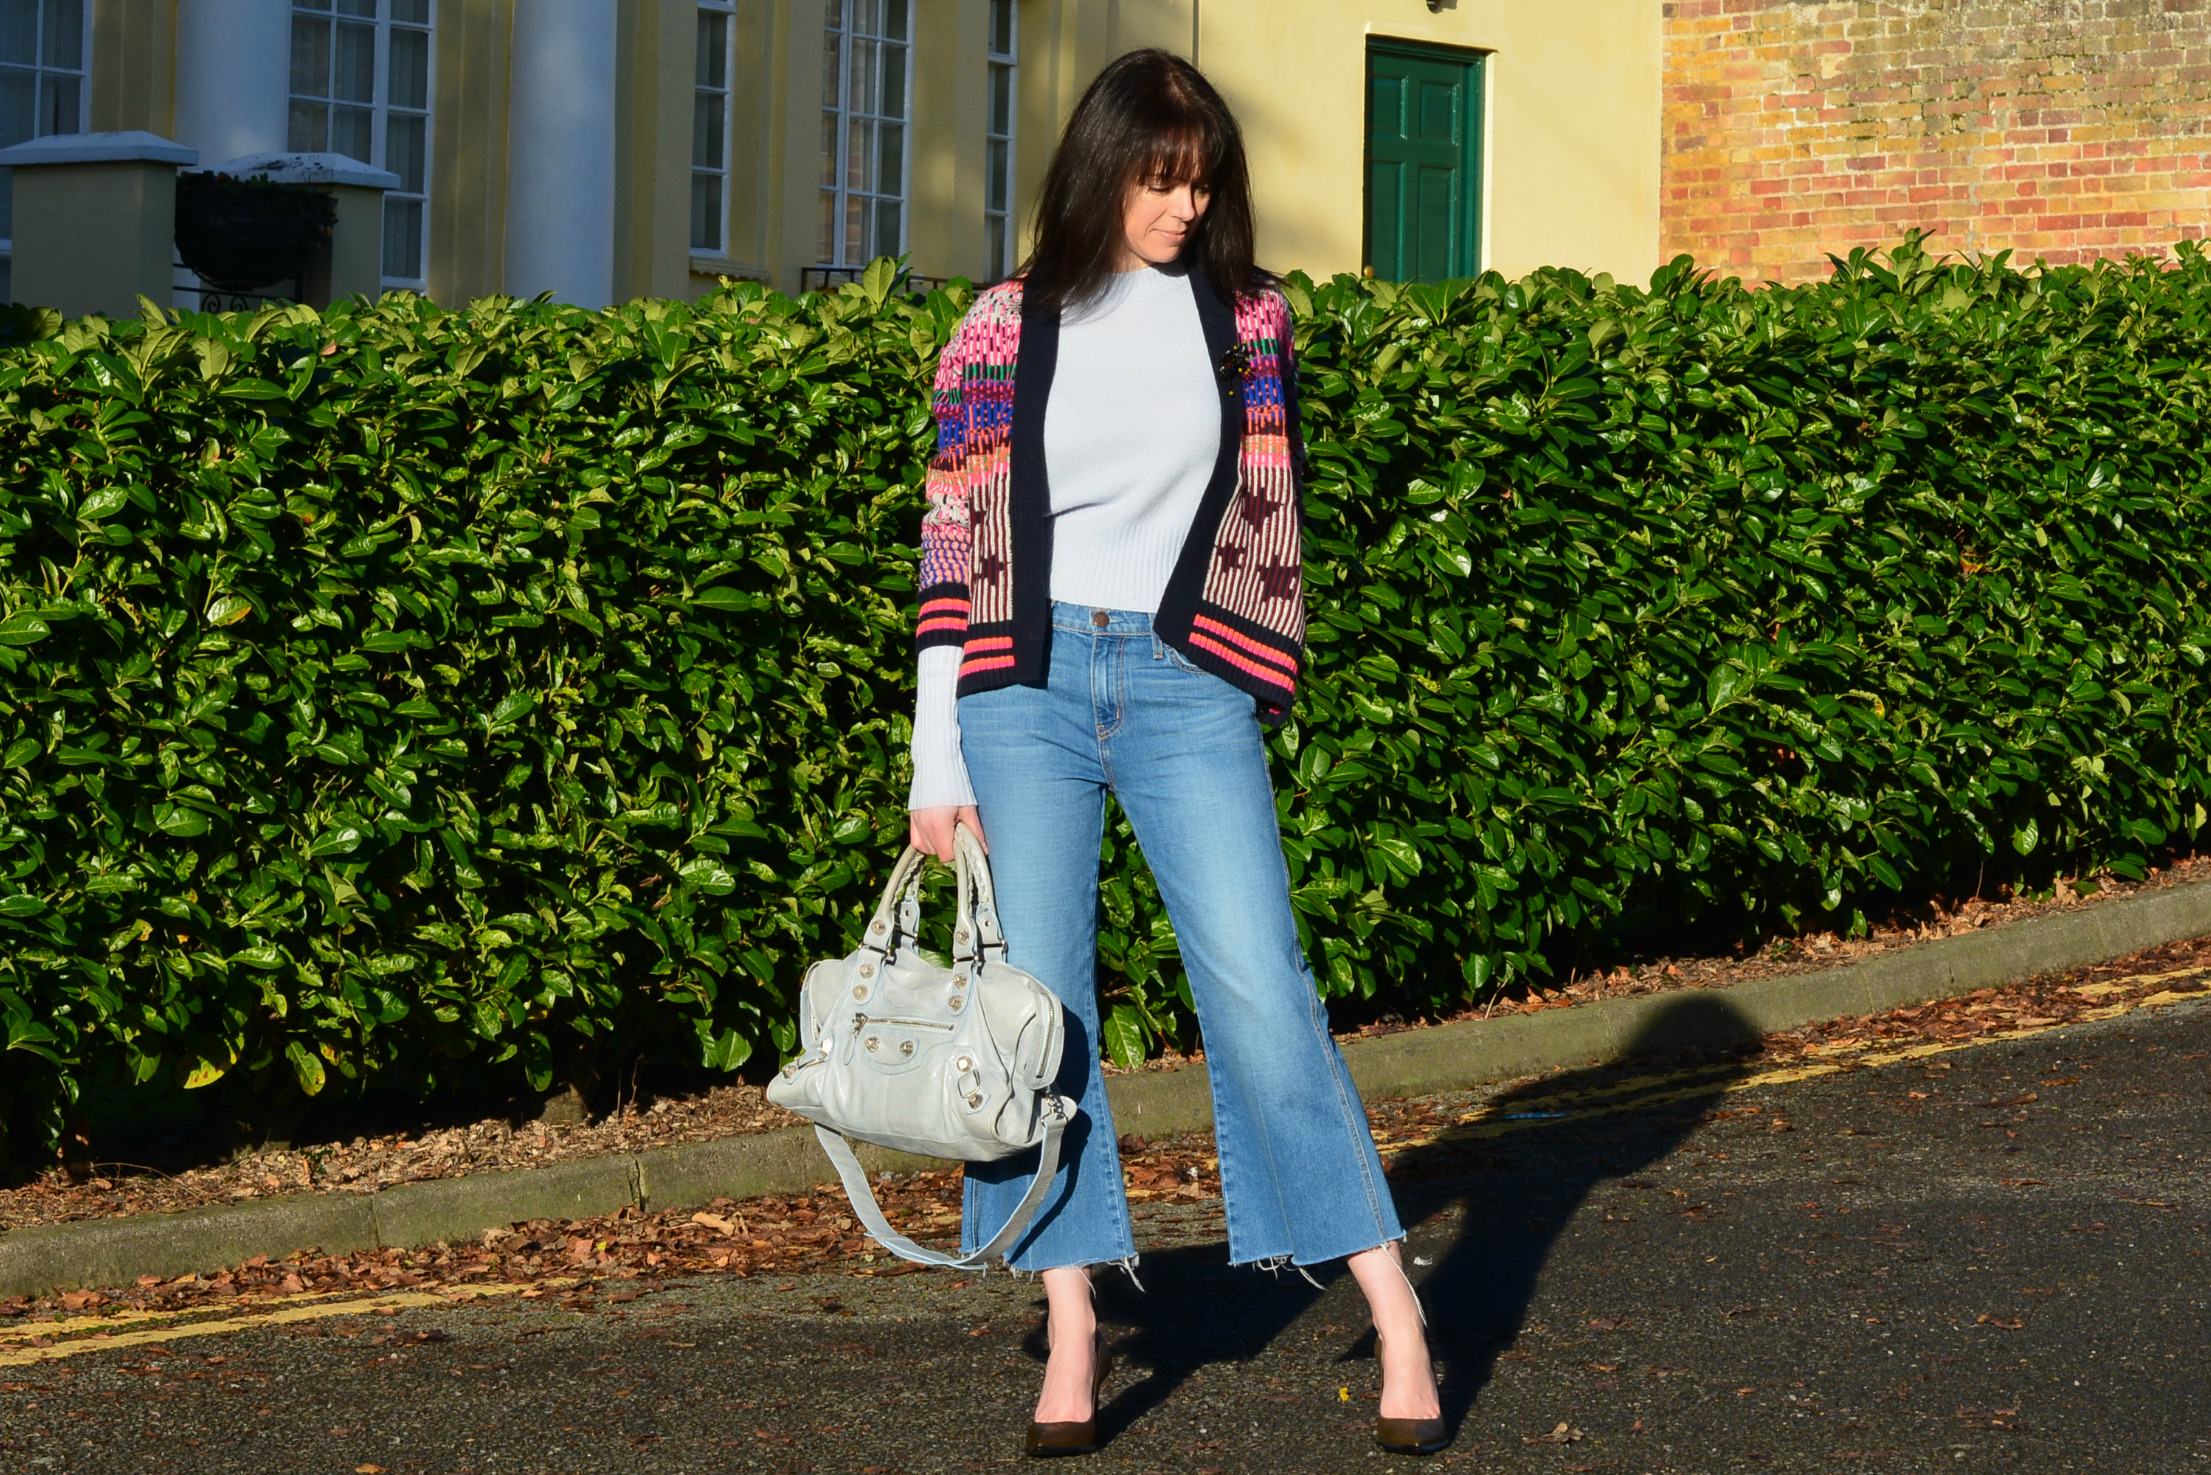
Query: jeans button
pixel 1099 618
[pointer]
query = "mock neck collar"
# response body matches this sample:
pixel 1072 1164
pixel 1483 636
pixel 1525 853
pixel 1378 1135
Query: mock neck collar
pixel 1146 283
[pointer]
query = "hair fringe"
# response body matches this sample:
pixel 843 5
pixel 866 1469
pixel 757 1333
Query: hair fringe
pixel 1148 112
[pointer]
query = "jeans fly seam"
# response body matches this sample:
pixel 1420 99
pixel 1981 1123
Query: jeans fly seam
pixel 1108 710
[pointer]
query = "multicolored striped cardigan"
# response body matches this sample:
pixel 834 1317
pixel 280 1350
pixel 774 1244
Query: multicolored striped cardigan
pixel 1234 603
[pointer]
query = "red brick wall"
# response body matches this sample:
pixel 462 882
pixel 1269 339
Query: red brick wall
pixel 2065 129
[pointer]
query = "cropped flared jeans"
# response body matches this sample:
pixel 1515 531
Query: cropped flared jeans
pixel 1182 751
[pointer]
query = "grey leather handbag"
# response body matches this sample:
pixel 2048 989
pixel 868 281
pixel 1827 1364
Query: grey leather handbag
pixel 951 1062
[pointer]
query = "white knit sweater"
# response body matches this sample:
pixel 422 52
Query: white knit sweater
pixel 1121 506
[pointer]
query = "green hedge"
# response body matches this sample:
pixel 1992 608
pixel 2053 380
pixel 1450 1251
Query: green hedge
pixel 415 695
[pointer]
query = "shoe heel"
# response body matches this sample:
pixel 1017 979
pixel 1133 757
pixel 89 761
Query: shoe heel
pixel 1408 1436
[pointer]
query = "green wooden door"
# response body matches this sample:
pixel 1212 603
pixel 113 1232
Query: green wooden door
pixel 1424 110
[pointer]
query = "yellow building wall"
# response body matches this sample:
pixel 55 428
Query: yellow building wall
pixel 1569 137
pixel 775 223
pixel 950 116
pixel 1570 170
pixel 755 135
pixel 1570 120
pixel 134 66
pixel 468 148
pixel 1063 44
pixel 657 51
pixel 794 142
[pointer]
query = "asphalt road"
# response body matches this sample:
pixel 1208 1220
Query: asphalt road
pixel 1994 1259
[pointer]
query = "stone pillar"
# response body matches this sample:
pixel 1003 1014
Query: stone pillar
pixel 233 76
pixel 95 220
pixel 354 259
pixel 560 151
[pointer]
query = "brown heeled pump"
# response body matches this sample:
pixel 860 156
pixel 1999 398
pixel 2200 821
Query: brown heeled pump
pixel 1073 1436
pixel 1408 1436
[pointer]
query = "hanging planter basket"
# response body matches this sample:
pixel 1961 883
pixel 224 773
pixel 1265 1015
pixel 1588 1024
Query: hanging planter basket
pixel 244 234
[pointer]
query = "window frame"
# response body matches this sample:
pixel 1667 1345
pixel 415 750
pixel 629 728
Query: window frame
pixel 381 109
pixel 39 70
pixel 1010 61
pixel 719 248
pixel 838 22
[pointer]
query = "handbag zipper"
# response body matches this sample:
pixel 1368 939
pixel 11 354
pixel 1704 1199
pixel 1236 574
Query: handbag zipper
pixel 862 1021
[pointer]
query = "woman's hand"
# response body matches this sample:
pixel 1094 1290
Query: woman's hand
pixel 930 830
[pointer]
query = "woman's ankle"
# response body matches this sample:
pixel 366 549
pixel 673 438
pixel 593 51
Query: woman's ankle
pixel 1392 1302
pixel 1071 1306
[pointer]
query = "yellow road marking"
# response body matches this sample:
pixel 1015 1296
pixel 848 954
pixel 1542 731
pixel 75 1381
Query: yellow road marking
pixel 70 1324
pixel 2116 985
pixel 289 1309
pixel 93 1333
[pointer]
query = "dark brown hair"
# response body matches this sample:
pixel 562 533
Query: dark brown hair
pixel 1149 115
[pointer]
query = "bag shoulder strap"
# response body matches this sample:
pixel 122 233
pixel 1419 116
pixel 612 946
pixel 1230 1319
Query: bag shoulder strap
pixel 855 1180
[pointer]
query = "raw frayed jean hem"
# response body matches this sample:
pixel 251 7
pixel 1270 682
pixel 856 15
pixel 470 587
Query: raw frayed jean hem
pixel 1125 1263
pixel 1275 1264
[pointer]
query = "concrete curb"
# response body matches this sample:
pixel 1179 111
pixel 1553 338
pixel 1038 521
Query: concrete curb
pixel 115 1252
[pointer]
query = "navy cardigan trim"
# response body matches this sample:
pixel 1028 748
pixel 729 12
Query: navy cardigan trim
pixel 1029 511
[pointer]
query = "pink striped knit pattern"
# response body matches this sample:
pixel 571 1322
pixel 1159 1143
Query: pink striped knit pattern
pixel 965 527
pixel 1256 570
pixel 1250 618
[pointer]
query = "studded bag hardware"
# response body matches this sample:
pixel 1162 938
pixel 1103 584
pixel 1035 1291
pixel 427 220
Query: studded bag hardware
pixel 951 1062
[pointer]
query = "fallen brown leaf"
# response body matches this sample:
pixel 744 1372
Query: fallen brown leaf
pixel 1561 1433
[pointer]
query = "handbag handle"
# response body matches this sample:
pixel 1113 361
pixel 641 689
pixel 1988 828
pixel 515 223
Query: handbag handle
pixel 977 921
pixel 977 917
pixel 903 891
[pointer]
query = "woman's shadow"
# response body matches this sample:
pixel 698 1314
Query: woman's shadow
pixel 1515 1176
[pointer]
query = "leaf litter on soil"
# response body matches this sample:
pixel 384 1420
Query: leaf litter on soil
pixel 633 1251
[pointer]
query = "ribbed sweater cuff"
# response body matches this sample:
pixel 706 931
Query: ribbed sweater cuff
pixel 940 773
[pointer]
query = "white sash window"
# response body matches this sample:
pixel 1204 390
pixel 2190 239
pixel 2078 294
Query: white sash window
pixel 361 86
pixel 710 104
pixel 998 237
pixel 867 76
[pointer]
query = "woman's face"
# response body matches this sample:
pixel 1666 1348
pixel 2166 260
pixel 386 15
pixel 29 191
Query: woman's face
pixel 1156 220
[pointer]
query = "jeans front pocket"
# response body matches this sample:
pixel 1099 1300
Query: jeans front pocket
pixel 1161 650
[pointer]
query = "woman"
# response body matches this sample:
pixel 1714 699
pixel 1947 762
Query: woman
pixel 1111 600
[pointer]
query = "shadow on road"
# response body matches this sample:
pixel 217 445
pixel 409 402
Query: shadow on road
pixel 1517 1178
